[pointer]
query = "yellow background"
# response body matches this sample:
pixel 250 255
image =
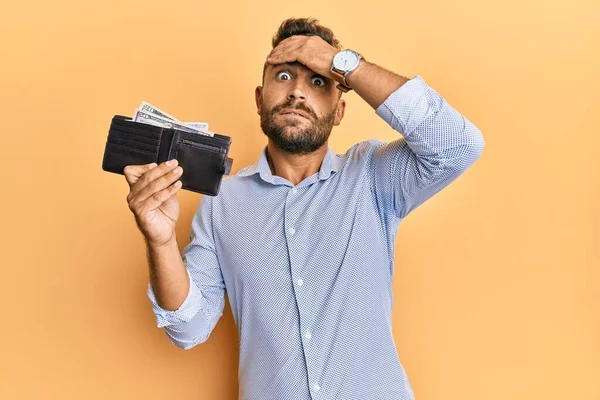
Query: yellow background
pixel 497 286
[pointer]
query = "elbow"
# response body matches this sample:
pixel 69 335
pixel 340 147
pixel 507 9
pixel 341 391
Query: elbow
pixel 458 159
pixel 188 335
pixel 473 147
pixel 193 331
pixel 478 142
pixel 185 343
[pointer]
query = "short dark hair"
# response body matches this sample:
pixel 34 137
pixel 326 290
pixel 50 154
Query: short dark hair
pixel 304 27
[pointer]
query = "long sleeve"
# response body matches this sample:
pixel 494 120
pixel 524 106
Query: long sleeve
pixel 195 319
pixel 439 144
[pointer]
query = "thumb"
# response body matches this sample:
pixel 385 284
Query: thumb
pixel 134 172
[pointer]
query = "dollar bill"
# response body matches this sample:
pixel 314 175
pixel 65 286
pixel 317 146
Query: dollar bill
pixel 153 119
pixel 202 126
pixel 149 108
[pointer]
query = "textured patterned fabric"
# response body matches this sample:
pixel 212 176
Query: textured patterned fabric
pixel 308 269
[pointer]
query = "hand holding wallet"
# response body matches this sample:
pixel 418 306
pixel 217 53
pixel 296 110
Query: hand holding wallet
pixel 203 158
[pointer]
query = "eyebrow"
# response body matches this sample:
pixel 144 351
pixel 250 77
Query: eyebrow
pixel 294 64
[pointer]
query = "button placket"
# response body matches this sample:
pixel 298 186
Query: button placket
pixel 291 231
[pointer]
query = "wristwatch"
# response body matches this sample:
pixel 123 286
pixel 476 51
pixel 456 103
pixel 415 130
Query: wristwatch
pixel 344 62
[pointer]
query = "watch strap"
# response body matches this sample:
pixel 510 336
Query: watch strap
pixel 343 87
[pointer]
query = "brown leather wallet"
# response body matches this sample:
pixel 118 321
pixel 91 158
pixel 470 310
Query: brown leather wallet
pixel 203 158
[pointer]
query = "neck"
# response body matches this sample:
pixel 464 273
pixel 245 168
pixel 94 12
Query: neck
pixel 294 167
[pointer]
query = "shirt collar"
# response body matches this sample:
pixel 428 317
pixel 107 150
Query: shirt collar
pixel 331 163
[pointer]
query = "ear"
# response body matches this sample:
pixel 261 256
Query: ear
pixel 339 111
pixel 258 98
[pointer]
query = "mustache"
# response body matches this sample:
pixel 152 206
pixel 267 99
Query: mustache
pixel 290 105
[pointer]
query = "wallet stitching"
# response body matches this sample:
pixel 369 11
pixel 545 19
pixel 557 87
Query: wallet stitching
pixel 135 127
pixel 176 151
pixel 131 133
pixel 210 140
pixel 159 141
pixel 133 149
pixel 134 144
pixel 174 143
pixel 122 135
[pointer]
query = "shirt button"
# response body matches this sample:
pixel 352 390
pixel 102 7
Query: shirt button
pixel 316 387
pixel 300 282
pixel 308 335
pixel 294 190
pixel 292 231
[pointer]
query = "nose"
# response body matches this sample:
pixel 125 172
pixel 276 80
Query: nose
pixel 297 92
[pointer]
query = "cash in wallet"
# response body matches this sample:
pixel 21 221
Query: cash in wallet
pixel 155 136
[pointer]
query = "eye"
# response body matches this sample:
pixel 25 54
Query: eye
pixel 318 81
pixel 284 76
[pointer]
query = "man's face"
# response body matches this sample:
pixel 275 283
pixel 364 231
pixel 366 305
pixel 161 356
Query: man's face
pixel 297 107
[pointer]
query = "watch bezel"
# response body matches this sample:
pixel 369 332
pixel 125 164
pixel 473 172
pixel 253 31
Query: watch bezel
pixel 340 55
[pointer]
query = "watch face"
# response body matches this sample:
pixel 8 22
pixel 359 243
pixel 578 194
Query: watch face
pixel 346 60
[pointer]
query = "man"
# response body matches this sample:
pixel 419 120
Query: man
pixel 303 240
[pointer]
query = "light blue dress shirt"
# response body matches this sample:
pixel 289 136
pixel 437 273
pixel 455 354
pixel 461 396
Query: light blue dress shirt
pixel 308 269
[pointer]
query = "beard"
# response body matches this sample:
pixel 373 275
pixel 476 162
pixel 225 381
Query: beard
pixel 297 136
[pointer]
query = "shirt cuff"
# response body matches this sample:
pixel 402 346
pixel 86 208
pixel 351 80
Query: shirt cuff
pixel 406 107
pixel 190 307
